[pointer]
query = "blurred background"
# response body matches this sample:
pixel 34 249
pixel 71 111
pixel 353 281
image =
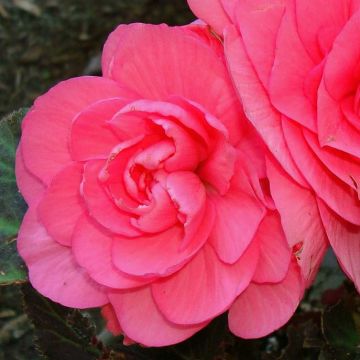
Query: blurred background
pixel 46 41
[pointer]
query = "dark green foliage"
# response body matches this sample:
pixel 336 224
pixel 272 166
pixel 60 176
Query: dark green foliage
pixel 61 333
pixel 12 205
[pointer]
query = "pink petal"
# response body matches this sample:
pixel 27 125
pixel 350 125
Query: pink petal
pixel 340 164
pixel 333 191
pixel 310 24
pixel 218 169
pixel 141 320
pixel 256 103
pixel 30 186
pixel 52 269
pixel 159 61
pixel 341 72
pixel 92 250
pixel 188 152
pixel 61 206
pixel 205 287
pixel 300 219
pixel 239 214
pixel 275 253
pixel 100 206
pixel 162 214
pixel 112 323
pixel 212 12
pixel 91 136
pixel 262 309
pixel 258 22
pixel 333 129
pixel 344 239
pixel 160 254
pixel 46 127
pixel 189 196
pixel 289 72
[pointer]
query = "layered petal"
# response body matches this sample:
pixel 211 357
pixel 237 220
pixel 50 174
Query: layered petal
pixel 158 62
pixel 46 127
pixel 344 239
pixel 52 269
pixel 263 308
pixel 61 206
pixel 213 13
pixel 239 214
pixel 275 253
pixel 160 254
pixel 31 187
pixel 91 135
pixel 307 231
pixel 99 204
pixel 205 296
pixel 91 246
pixel 330 189
pixel 141 320
pixel 256 102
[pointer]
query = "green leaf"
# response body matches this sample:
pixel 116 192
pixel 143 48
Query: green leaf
pixel 339 328
pixel 12 206
pixel 61 333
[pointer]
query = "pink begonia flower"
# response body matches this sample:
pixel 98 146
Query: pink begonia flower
pixel 148 195
pixel 295 64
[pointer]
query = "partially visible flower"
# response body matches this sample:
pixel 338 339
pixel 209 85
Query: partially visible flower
pixel 148 195
pixel 296 67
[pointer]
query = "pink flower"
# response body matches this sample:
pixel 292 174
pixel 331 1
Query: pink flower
pixel 296 67
pixel 148 195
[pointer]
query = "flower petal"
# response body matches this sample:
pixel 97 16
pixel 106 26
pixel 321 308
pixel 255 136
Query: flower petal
pixel 61 206
pixel 212 12
pixel 141 320
pixel 91 247
pixel 344 239
pixel 91 136
pixel 275 253
pixel 257 106
pixel 160 254
pixel 160 61
pixel 263 308
pixel 31 187
pixel 52 269
pixel 204 296
pixel 307 232
pixel 239 214
pixel 46 127
pixel 100 206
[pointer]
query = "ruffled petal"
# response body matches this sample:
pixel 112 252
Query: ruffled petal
pixel 256 103
pixel 262 308
pixel 100 206
pixel 31 188
pixel 46 127
pixel 212 12
pixel 239 214
pixel 159 61
pixel 329 188
pixel 52 269
pixel 91 136
pixel 91 246
pixel 344 239
pixel 61 206
pixel 199 298
pixel 160 254
pixel 275 253
pixel 141 320
pixel 307 232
